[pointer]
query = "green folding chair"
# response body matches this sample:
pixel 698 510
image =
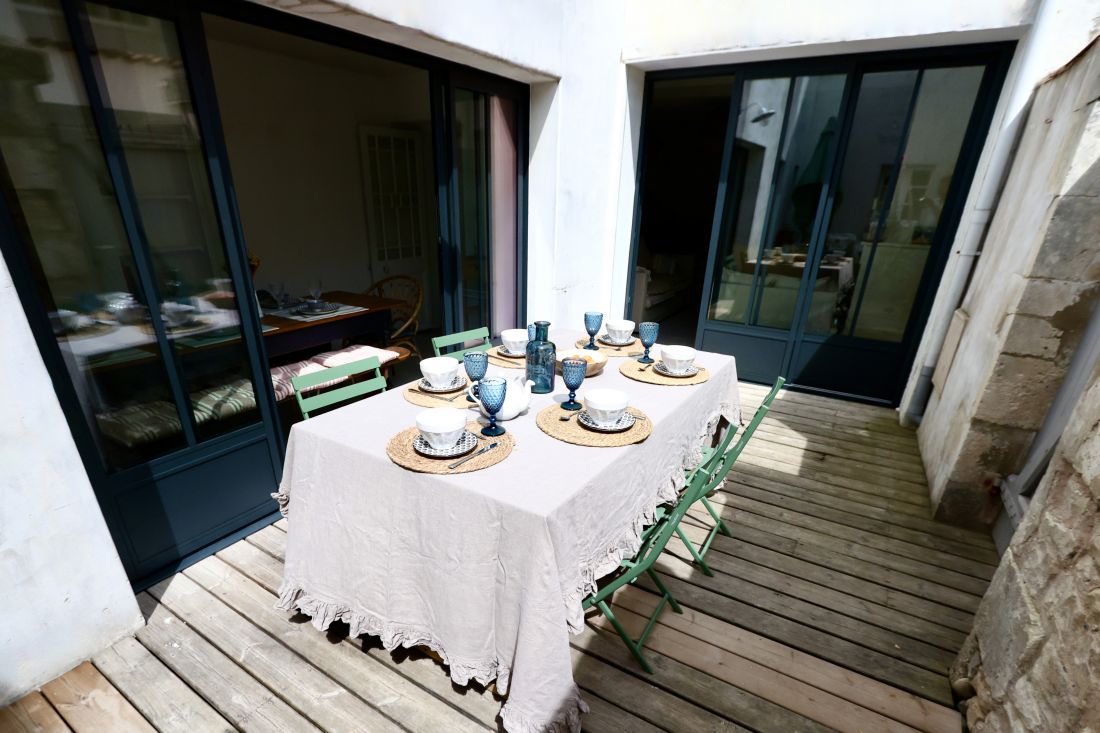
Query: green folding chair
pixel 653 544
pixel 719 461
pixel 312 380
pixel 442 342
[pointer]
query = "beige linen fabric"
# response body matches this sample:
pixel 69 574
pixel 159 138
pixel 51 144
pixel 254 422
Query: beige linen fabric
pixel 487 568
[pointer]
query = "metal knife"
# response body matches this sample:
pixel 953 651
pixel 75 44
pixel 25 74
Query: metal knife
pixel 475 454
pixel 435 396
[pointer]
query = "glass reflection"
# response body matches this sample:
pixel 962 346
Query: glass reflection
pixel 147 89
pixel 472 163
pixel 863 189
pixel 54 178
pixel 787 130
pixel 896 260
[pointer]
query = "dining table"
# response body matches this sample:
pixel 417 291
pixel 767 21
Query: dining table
pixel 487 568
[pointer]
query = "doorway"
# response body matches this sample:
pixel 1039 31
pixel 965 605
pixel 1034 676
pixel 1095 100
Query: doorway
pixel 840 186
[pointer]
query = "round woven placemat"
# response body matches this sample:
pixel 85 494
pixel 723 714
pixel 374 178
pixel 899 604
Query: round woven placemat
pixel 633 370
pixel 199 324
pixel 426 400
pixel 400 451
pixel 508 362
pixel 634 348
pixel 549 420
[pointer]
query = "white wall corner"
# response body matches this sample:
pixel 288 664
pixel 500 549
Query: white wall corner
pixel 629 155
pixel 66 596
pixel 542 194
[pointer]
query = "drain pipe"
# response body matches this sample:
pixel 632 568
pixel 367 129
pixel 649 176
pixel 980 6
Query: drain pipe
pixel 968 249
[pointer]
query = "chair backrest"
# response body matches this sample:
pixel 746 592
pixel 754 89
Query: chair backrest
pixel 654 545
pixel 341 394
pixel 407 289
pixel 458 339
pixel 723 466
pixel 723 446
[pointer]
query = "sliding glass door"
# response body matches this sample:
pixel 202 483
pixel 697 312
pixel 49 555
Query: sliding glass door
pixel 841 185
pixel 121 233
pixel 481 194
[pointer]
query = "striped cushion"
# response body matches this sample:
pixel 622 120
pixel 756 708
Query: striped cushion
pixel 136 424
pixel 354 353
pixel 281 376
pixel 223 401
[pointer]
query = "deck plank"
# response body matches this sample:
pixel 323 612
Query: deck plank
pixel 818 709
pixel 89 703
pixel 899 673
pixel 31 713
pixel 830 598
pixel 861 690
pixel 158 694
pixel 769 557
pixel 233 692
pixel 883 511
pixel 683 679
pixel 310 691
pixel 379 685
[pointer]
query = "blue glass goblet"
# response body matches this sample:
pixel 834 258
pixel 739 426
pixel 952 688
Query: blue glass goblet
pixel 648 333
pixel 492 392
pixel 572 373
pixel 530 332
pixel 476 363
pixel 592 322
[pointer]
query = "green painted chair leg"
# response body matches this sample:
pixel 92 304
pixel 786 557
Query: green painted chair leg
pixel 664 591
pixel 634 649
pixel 695 554
pixel 713 513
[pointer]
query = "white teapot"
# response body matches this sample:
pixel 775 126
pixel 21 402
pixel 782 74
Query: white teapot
pixel 517 397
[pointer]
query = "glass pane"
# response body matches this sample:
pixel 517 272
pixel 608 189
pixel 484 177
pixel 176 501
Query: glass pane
pixel 56 182
pixel 878 126
pixel 936 132
pixel 472 162
pixel 752 168
pixel 148 92
pixel 801 172
pixel 505 185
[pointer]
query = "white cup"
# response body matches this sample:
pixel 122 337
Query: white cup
pixel 620 331
pixel 442 427
pixel 677 359
pixel 65 320
pixel 605 406
pixel 439 371
pixel 514 339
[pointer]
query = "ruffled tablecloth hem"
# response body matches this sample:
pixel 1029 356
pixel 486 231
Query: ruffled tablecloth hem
pixel 323 613
pixel 628 542
pixel 568 721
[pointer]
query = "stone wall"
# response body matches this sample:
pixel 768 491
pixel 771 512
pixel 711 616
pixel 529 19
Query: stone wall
pixel 1032 662
pixel 1036 283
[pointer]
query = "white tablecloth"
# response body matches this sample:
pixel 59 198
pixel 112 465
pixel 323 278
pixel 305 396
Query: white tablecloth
pixel 486 568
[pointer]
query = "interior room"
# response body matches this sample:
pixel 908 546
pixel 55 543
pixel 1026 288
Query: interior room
pixel 686 126
pixel 332 164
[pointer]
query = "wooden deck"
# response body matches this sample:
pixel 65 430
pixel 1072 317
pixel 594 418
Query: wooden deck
pixel 838 604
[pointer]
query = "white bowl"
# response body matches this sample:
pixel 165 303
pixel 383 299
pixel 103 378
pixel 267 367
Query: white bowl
pixel 65 319
pixel 677 359
pixel 514 339
pixel 596 360
pixel 620 331
pixel 176 314
pixel 442 427
pixel 605 406
pixel 440 371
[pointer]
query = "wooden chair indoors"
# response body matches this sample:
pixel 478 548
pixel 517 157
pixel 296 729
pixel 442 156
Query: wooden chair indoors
pixel 406 318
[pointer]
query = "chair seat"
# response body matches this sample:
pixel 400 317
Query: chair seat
pixel 353 353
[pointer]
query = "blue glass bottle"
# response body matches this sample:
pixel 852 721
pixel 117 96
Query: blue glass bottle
pixel 541 359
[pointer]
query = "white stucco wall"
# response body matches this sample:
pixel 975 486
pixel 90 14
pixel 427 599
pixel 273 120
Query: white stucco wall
pixel 65 595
